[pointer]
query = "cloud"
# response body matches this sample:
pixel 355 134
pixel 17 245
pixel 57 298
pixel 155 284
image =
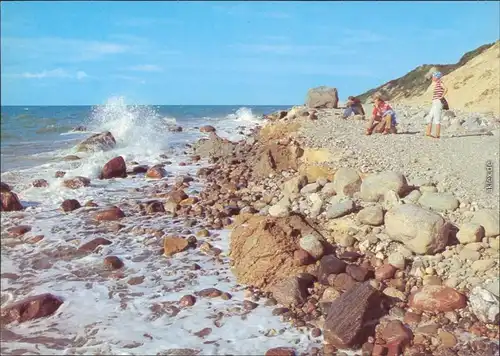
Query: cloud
pixel 54 73
pixel 146 68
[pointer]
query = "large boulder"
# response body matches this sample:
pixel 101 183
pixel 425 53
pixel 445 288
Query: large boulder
pixel 262 248
pixel 99 142
pixel 273 158
pixel 347 181
pixel 439 201
pixel 421 230
pixel 4 187
pixel 10 201
pixel 437 299
pixel 352 316
pixel 490 220
pixel 294 185
pixel 115 168
pixel 375 186
pixel 31 308
pixel 485 305
pixel 290 291
pixel 214 146
pixel 322 97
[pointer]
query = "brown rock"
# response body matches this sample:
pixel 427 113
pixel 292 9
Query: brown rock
pixel 203 332
pixel 133 281
pixel 249 305
pixel 343 282
pixel 395 332
pixel 154 207
pixel 280 351
pixel 140 169
pixel 447 339
pixel 4 187
pixel 411 318
pixel 93 244
pixel 349 321
pixel 115 168
pixel 71 158
pixel 262 248
pixel 207 128
pixel 60 174
pixel 187 301
pixel 102 141
pixel 359 273
pixel 31 308
pixel 173 245
pixel 273 158
pixel 437 299
pixel 70 205
pixel 156 172
pixel 290 291
pixel 302 258
pixel 40 183
pixel 10 201
pixel 328 265
pixel 209 293
pixel 350 256
pixel 177 195
pixel 90 204
pixel 189 201
pixel 109 214
pixel 379 350
pixel 384 272
pixel 113 262
pixel 19 230
pixel 76 182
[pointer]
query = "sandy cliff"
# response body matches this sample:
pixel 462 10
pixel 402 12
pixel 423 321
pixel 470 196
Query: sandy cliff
pixel 473 83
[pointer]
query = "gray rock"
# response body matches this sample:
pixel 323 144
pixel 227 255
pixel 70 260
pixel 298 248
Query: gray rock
pixel 413 196
pixel 422 231
pixel 397 260
pixel 312 245
pixel 316 204
pixel 468 254
pixel 470 233
pixel 328 189
pixel 294 185
pixel 322 97
pixel 374 187
pixel 372 215
pixel 347 181
pixel 340 209
pixel 439 201
pixel 484 304
pixel 310 188
pixel 279 210
pixel 483 265
pixel 490 220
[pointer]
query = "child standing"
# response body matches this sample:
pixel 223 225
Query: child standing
pixel 434 116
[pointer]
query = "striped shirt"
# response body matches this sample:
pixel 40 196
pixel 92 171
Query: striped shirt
pixel 438 90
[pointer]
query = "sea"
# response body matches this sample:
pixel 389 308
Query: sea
pixel 104 313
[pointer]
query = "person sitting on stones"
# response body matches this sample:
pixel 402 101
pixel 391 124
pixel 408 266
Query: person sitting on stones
pixel 383 119
pixel 353 107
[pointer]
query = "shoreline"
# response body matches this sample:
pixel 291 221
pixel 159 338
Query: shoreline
pixel 247 178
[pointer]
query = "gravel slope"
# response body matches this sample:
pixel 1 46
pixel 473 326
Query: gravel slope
pixel 455 164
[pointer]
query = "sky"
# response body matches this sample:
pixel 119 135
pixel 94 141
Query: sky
pixel 218 53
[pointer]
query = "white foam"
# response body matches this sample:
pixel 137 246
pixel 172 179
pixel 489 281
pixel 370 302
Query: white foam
pixel 93 315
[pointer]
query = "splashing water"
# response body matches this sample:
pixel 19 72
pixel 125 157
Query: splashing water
pixel 133 126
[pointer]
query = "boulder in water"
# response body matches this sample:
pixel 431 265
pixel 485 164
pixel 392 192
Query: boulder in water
pixel 207 128
pixel 76 182
pixel 115 168
pixel 35 307
pixel 4 187
pixel 99 142
pixel 10 201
